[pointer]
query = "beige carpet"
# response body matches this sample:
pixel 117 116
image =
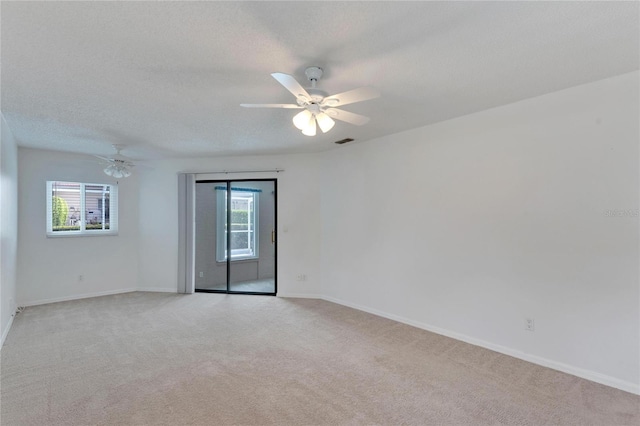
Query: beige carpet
pixel 267 285
pixel 215 359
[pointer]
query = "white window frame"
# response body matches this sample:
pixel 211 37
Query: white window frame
pixel 83 232
pixel 221 221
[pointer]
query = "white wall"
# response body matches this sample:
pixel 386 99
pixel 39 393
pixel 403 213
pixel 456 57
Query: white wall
pixel 469 226
pixel 8 227
pixel 298 217
pixel 48 268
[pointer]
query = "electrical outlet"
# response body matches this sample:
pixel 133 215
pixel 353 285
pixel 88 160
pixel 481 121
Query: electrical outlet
pixel 302 277
pixel 80 277
pixel 529 324
pixel 201 274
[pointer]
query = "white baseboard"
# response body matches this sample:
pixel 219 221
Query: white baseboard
pixel 5 332
pixel 565 368
pixel 77 296
pixel 300 295
pixel 157 289
pixel 97 294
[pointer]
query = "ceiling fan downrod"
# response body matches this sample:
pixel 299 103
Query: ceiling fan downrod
pixel 313 74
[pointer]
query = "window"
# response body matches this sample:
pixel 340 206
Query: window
pixel 75 208
pixel 244 223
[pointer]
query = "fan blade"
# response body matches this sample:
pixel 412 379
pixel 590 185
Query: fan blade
pixel 291 85
pixel 271 106
pixel 351 96
pixel 347 116
pixel 103 158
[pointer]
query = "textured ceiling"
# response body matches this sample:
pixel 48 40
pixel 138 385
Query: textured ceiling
pixel 167 78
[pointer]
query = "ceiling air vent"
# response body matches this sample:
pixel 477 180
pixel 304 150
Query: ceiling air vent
pixel 340 142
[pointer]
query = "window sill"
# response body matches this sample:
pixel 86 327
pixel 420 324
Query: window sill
pixel 240 260
pixel 81 234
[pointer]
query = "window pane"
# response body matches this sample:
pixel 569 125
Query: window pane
pixel 65 206
pixel 239 241
pixel 96 204
pixel 242 226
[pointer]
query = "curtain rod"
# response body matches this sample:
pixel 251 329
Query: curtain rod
pixel 226 172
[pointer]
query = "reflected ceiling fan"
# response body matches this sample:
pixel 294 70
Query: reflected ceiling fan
pixel 317 106
pixel 118 166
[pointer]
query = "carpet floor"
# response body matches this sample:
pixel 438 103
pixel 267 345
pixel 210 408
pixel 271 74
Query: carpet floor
pixel 267 285
pixel 216 359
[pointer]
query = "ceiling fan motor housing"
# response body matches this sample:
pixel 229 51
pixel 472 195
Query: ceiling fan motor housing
pixel 317 95
pixel 313 74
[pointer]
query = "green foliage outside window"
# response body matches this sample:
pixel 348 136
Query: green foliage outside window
pixel 60 210
pixel 239 216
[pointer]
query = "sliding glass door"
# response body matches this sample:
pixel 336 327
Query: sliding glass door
pixel 235 236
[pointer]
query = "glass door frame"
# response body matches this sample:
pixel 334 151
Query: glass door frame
pixel 228 183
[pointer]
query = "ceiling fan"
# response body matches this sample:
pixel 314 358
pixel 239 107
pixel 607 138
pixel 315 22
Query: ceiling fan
pixel 317 106
pixel 118 166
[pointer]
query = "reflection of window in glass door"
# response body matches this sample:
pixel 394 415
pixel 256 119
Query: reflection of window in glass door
pixel 235 246
pixel 244 223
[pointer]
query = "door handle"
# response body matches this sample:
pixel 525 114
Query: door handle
pixel 273 236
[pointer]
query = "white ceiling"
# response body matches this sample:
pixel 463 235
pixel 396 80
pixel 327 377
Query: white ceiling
pixel 167 78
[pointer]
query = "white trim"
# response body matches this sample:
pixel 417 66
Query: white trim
pixel 158 290
pixel 77 297
pixel 545 362
pixel 74 234
pixel 299 295
pixel 101 293
pixel 5 332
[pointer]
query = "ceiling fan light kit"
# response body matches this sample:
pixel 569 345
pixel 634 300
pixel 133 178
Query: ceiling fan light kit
pixel 303 119
pixel 310 130
pixel 119 166
pixel 117 171
pixel 317 107
pixel 325 122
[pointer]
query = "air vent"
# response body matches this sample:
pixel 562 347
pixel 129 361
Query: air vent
pixel 340 142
